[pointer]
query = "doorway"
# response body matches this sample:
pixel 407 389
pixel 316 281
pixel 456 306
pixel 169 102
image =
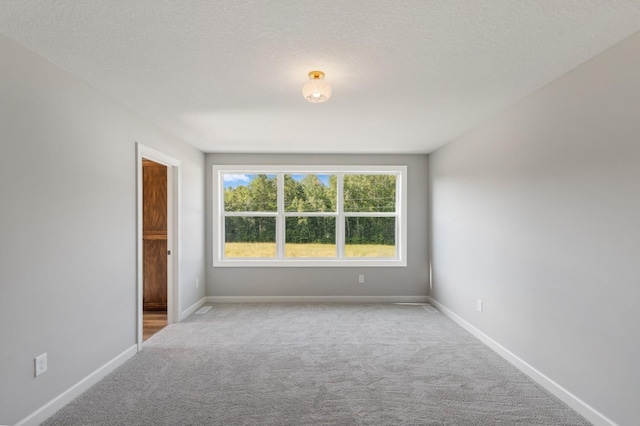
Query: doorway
pixel 155 252
pixel 157 241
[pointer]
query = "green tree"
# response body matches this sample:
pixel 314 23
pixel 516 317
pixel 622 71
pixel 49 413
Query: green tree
pixel 362 193
pixel 370 193
pixel 260 195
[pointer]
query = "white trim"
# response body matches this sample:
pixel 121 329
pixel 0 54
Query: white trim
pixel 173 233
pixel 340 224
pixel 281 219
pixel 157 156
pixel 273 169
pixel 365 214
pixel 191 309
pixel 333 262
pixel 173 309
pixel 402 204
pixel 339 260
pixel 251 214
pixel 51 407
pixel 584 409
pixel 316 299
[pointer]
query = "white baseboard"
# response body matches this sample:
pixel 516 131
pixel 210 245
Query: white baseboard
pixel 584 409
pixel 191 309
pixel 316 299
pixel 50 408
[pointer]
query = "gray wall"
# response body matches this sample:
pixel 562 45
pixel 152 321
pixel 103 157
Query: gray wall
pixel 340 281
pixel 537 213
pixel 68 227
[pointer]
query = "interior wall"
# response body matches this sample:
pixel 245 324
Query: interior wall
pixel 68 228
pixel 537 213
pixel 337 281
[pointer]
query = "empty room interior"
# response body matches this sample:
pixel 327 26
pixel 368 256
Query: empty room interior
pixel 300 213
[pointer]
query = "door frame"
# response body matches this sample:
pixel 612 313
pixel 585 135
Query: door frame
pixel 173 216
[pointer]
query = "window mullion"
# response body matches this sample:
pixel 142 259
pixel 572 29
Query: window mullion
pixel 310 214
pixel 250 214
pixel 399 185
pixel 340 238
pixel 280 221
pixel 370 214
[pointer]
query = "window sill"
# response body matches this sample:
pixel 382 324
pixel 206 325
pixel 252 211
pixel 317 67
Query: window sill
pixel 310 263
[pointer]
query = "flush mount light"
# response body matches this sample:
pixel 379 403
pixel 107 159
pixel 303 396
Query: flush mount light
pixel 316 90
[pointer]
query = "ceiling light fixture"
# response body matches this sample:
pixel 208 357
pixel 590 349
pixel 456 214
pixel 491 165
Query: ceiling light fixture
pixel 316 90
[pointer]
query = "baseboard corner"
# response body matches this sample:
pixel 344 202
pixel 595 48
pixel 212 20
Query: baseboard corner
pixel 191 309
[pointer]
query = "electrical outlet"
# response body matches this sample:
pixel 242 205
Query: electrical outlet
pixel 197 282
pixel 361 278
pixel 479 305
pixel 41 364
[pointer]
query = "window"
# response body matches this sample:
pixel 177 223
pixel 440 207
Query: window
pixel 309 215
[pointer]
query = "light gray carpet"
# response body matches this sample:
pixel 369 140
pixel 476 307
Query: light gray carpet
pixel 316 364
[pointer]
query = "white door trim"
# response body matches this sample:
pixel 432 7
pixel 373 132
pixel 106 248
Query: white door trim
pixel 173 216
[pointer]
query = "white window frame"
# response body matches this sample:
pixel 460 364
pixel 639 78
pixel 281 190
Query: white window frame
pixel 280 261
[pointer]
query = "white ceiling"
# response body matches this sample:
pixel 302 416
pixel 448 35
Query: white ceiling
pixel 407 76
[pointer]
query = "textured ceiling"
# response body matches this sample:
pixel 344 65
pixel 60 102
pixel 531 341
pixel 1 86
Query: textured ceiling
pixel 407 76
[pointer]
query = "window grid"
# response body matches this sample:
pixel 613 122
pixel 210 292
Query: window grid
pixel 399 214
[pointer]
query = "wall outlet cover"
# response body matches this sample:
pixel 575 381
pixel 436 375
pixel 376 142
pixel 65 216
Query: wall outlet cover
pixel 41 364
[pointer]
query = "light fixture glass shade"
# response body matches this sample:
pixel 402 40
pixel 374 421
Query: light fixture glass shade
pixel 316 90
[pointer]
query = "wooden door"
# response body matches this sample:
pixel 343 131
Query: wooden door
pixel 154 235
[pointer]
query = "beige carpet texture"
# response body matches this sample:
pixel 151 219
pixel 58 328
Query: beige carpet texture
pixel 316 364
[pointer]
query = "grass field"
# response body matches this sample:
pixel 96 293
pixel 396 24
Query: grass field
pixel 307 250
